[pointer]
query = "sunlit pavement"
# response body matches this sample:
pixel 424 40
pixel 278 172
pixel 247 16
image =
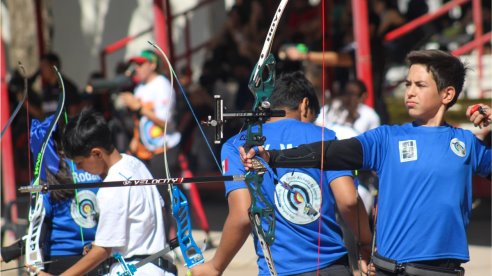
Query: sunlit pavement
pixel 244 263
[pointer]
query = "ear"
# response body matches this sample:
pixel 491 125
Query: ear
pixel 97 152
pixel 447 95
pixel 305 113
pixel 304 107
pixel 154 66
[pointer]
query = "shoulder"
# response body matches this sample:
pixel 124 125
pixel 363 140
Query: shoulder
pixel 129 167
pixel 162 80
pixel 232 144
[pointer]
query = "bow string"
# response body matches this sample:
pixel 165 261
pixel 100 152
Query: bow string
pixel 190 251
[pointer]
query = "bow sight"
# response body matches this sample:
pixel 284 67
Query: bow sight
pixel 261 115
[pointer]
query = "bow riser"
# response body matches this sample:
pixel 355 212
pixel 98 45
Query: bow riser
pixel 33 251
pixel 189 249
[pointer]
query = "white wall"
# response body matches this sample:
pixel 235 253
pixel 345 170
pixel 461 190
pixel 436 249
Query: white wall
pixel 76 31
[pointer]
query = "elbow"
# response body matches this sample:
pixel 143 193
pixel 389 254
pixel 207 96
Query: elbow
pixel 243 222
pixel 347 205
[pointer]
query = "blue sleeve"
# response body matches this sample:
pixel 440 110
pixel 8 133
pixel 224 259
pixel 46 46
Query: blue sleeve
pixel 374 144
pixel 482 159
pixel 37 135
pixel 231 165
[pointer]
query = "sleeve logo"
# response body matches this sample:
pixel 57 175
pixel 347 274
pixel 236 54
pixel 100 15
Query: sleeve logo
pixel 458 147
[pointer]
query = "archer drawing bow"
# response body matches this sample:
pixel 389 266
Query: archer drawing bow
pixel 261 84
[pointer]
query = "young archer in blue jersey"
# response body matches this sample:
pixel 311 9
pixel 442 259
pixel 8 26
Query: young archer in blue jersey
pixel 296 250
pixel 425 170
pixel 71 217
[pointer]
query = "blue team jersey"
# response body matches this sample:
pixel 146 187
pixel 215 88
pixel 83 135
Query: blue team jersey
pixel 71 222
pixel 296 232
pixel 426 178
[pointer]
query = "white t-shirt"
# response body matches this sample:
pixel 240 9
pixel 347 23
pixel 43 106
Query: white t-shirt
pixel 368 119
pixel 160 96
pixel 335 116
pixel 130 220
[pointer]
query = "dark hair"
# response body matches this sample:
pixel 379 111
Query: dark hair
pixel 446 69
pixel 289 91
pixel 63 176
pixel 360 85
pixel 52 59
pixel 86 131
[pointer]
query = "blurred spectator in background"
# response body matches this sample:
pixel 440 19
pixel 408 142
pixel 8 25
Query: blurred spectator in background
pixel 349 110
pixel 153 104
pixel 155 132
pixel 344 62
pixel 45 101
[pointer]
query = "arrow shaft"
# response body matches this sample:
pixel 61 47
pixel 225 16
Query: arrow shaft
pixel 129 183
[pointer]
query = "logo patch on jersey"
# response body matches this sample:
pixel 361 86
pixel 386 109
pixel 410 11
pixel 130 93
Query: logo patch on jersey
pixel 458 147
pixel 85 213
pixel 302 204
pixel 408 150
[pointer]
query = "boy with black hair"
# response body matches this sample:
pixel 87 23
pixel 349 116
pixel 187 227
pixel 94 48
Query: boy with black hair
pixel 425 171
pixel 130 218
pixel 297 248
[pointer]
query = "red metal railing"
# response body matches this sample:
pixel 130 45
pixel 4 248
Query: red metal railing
pixel 363 51
pixel 476 44
pixel 189 50
pixel 115 46
pixel 7 155
pixel 163 33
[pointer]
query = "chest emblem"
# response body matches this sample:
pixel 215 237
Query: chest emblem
pixel 408 150
pixel 458 147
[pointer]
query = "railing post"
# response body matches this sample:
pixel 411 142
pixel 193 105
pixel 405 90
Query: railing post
pixel 363 49
pixel 7 154
pixel 477 20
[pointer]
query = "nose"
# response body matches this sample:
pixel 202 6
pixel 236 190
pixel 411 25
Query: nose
pixel 410 91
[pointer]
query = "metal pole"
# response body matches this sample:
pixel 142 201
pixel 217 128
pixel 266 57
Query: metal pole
pixel 38 8
pixel 7 154
pixel 161 26
pixel 477 20
pixel 363 49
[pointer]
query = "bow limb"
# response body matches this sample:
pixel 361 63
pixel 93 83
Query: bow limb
pixel 36 211
pixel 192 254
pixel 19 105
